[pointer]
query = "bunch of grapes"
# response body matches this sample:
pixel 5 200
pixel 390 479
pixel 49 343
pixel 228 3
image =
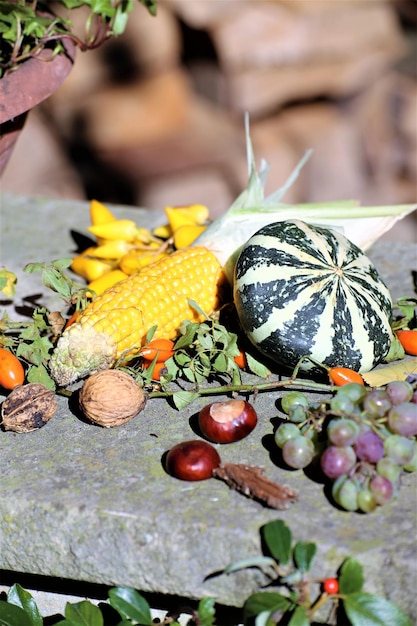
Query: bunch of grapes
pixel 364 440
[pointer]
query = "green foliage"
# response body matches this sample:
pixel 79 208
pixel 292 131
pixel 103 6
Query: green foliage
pixel 204 351
pixel 130 605
pixel 32 342
pixel 27 28
pixel 293 602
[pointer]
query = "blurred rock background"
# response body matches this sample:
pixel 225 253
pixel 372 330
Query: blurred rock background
pixel 155 117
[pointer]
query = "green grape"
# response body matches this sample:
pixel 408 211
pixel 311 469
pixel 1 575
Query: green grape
pixel 341 403
pixel 366 501
pixel 337 484
pixel 354 391
pixel 297 414
pixel 389 468
pixel 292 399
pixel 298 452
pixel 347 495
pixel 284 432
pixel 411 466
pixel 399 448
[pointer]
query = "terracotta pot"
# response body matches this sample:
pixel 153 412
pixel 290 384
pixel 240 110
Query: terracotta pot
pixel 21 90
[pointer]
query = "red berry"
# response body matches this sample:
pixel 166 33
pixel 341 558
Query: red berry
pixel 331 585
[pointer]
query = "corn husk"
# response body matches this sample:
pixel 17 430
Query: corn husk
pixel 363 225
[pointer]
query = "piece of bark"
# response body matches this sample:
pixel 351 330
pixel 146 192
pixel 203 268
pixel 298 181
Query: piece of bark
pixel 250 481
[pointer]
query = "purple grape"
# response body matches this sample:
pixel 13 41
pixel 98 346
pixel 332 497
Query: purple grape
pixel 336 461
pixel 381 488
pixel 369 447
pixel 377 403
pixel 298 452
pixel 402 419
pixel 343 432
pixel 399 391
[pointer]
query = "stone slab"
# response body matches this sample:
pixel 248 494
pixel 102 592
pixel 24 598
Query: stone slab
pixel 83 503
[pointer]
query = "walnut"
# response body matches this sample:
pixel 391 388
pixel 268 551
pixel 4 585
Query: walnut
pixel 28 408
pixel 111 398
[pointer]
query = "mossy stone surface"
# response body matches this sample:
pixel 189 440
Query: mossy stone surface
pixel 81 502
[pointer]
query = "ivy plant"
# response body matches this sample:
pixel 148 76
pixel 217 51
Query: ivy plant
pixel 29 27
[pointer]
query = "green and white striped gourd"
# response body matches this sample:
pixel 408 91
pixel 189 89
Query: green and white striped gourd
pixel 302 290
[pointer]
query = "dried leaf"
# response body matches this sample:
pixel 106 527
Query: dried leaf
pixel 388 373
pixel 251 482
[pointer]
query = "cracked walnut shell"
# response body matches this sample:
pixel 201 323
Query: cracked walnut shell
pixel 28 407
pixel 111 398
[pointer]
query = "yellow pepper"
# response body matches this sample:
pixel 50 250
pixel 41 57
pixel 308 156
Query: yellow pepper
pixel 162 232
pixel 111 250
pixel 145 237
pixel 185 235
pixel 90 268
pixel 118 229
pixel 134 260
pixel 106 281
pixel 100 214
pixel 186 215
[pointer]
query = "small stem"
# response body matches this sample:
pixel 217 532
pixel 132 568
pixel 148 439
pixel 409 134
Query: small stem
pixel 319 603
pixel 278 384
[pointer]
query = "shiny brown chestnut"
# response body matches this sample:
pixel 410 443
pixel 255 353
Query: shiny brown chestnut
pixel 228 421
pixel 192 460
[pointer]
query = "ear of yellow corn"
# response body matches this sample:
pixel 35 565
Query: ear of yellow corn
pixel 116 322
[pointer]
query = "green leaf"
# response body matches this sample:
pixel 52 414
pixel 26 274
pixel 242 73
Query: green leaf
pixel 130 604
pixel 56 282
pixel 256 367
pixel 39 374
pixel 365 609
pixel 351 576
pixel 30 268
pixel 20 597
pixel 12 615
pixel 150 333
pixel 220 363
pixel 304 553
pixel 182 399
pixel 278 538
pixel 299 617
pixel 62 264
pixel 252 561
pixel 188 332
pixel 265 601
pixel 83 613
pixel 206 611
pixel 206 341
pixel 193 304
